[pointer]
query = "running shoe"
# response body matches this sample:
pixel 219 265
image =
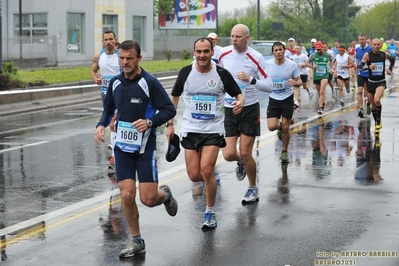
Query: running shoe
pixel 240 171
pixel 353 88
pixel 134 248
pixel 342 103
pixel 333 92
pixel 320 111
pixel 368 108
pixel 311 93
pixel 296 104
pixel 209 221
pixel 171 204
pixel 361 113
pixel 251 196
pixel 284 157
pixel 348 90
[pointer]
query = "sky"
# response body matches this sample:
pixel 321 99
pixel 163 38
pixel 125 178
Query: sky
pixel 230 5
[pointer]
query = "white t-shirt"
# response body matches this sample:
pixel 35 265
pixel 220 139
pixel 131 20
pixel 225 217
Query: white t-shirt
pixel 280 74
pixel 252 63
pixel 342 60
pixel 301 59
pixel 203 95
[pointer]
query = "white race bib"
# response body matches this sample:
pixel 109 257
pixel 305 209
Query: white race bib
pixel 128 139
pixel 203 107
pixel 105 83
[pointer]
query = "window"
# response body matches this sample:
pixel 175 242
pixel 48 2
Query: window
pixel 139 26
pixel 75 26
pixel 34 28
pixel 110 22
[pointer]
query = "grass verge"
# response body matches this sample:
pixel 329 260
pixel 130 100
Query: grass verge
pixel 72 74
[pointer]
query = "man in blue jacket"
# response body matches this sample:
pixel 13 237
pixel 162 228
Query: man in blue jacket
pixel 142 105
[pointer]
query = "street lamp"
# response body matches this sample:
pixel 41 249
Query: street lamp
pixel 258 28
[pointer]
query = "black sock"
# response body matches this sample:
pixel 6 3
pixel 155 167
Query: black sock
pixel 378 110
pixel 374 112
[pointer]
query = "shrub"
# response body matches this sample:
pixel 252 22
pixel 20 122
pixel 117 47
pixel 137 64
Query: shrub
pixel 168 54
pixel 5 82
pixel 186 54
pixel 9 68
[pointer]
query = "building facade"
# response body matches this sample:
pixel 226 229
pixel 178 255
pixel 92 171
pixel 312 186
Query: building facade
pixel 70 32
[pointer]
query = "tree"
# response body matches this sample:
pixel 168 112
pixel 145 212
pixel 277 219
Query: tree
pixel 321 19
pixel 378 21
pixel 163 6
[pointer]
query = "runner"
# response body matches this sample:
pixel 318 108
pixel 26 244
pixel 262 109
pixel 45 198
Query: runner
pixel 285 74
pixel 343 62
pixel 203 86
pixel 362 76
pixel 142 105
pixel 375 61
pixel 321 70
pixel 352 54
pixel 216 48
pixel 107 62
pixel 300 59
pixel 247 67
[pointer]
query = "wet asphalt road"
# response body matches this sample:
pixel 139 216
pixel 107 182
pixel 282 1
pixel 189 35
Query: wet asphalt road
pixel 336 199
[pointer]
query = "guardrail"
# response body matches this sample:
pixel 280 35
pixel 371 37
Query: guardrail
pixel 35 99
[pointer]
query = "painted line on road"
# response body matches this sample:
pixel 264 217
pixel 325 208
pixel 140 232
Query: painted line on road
pixel 23 146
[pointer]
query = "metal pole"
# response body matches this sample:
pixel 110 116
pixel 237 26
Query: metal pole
pixel 347 24
pixel 188 18
pixel 394 32
pixel 20 29
pixel 1 40
pixel 258 29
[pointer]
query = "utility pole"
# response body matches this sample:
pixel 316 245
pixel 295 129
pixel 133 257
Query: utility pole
pixel 1 40
pixel 347 24
pixel 20 29
pixel 394 31
pixel 258 25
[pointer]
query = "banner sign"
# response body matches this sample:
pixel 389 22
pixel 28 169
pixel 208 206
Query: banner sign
pixel 190 14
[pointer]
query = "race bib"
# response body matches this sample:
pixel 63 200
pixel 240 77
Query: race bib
pixel 203 107
pixel 105 83
pixel 278 85
pixel 321 71
pixel 228 99
pixel 128 139
pixel 379 68
pixel 340 70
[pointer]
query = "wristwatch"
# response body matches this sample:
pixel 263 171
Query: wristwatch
pixel 149 122
pixel 253 81
pixel 168 124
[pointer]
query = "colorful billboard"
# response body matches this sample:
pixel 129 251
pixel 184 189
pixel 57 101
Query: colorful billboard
pixel 190 14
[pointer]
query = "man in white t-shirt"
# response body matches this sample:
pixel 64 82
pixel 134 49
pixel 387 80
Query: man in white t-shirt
pixel 300 60
pixel 203 86
pixel 284 75
pixel 247 67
